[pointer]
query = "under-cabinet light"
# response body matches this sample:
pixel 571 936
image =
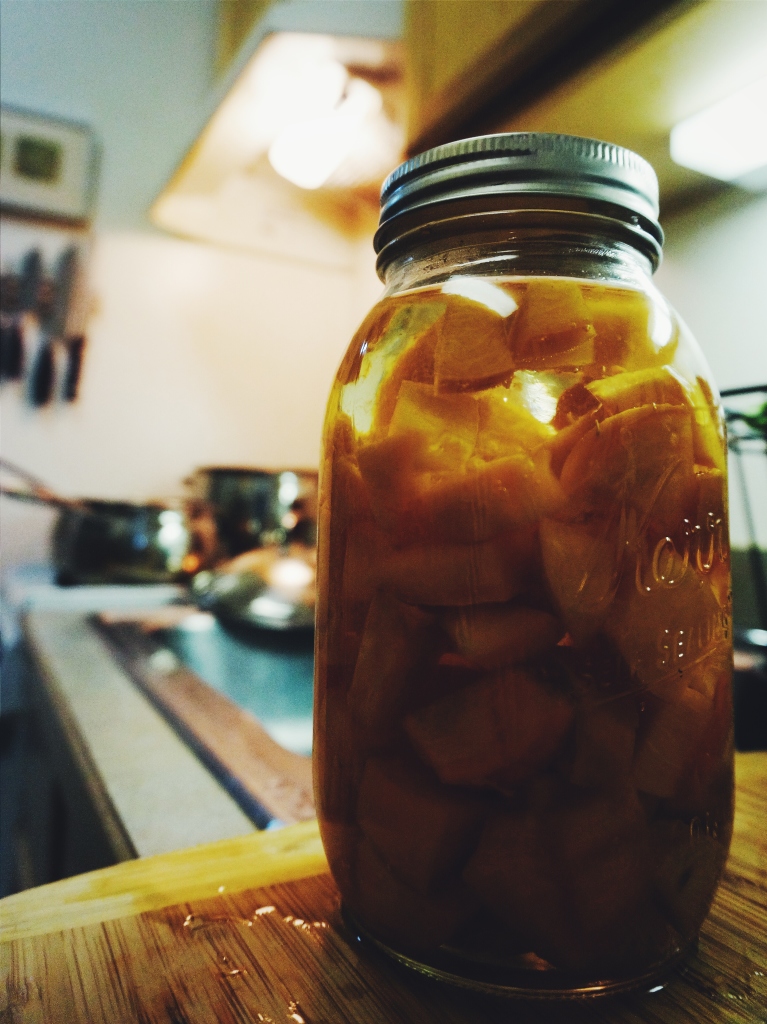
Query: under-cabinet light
pixel 727 140
pixel 292 159
pixel 308 152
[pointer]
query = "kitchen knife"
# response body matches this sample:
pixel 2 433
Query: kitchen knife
pixel 27 286
pixel 43 372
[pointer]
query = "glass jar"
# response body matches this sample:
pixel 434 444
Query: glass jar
pixel 523 729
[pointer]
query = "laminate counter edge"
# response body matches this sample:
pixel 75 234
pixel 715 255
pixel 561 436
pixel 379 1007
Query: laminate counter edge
pixel 151 792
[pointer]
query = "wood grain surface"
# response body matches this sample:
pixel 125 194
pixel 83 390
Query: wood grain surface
pixel 151 883
pixel 281 953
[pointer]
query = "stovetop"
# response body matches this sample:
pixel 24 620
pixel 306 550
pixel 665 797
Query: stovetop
pixel 268 674
pixel 241 698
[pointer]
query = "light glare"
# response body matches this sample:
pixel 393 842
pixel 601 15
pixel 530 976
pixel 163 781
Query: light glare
pixel 291 574
pixel 268 608
pixel 487 294
pixel 728 140
pixel 309 152
pixel 539 400
pixel 288 488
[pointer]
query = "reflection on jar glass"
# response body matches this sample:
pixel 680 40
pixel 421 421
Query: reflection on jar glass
pixel 523 735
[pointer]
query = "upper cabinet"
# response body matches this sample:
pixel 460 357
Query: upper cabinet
pixel 636 93
pixel 291 160
pixel 623 72
pixel 453 52
pixel 235 20
pixel 470 62
pixel 316 109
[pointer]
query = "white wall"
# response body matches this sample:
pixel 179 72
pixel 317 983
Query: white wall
pixel 714 271
pixel 140 73
pixel 195 356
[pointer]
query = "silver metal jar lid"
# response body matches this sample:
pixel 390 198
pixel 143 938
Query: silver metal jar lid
pixel 525 162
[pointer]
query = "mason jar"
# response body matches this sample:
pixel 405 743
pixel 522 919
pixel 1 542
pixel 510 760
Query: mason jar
pixel 523 729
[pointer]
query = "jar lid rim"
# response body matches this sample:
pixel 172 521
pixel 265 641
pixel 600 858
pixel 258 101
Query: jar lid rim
pixel 524 162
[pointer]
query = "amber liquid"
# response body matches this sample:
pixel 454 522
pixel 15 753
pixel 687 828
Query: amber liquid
pixel 523 743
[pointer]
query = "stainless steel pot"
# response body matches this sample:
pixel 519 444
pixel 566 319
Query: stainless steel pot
pixel 254 508
pixel 120 542
pixel 96 541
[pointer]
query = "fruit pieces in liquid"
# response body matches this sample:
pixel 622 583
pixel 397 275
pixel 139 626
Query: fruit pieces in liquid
pixel 523 741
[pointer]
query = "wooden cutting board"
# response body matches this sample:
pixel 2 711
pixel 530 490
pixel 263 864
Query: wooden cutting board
pixel 280 953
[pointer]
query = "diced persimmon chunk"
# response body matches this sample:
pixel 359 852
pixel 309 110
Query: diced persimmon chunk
pixel 663 629
pixel 641 458
pixel 423 830
pixel 482 500
pixel 416 364
pixel 397 640
pixel 568 879
pixel 506 425
pixel 413 495
pixel 574 403
pixel 338 760
pixel 359 399
pixel 397 913
pixel 620 318
pixel 350 492
pixel 605 736
pixel 493 635
pixel 589 824
pixel 448 424
pixel 582 563
pixel 389 464
pixel 710 523
pixel 602 853
pixel 509 722
pixel 688 864
pixel 552 327
pixel 473 351
pixel 368 549
pixel 512 873
pixel 622 391
pixel 708 673
pixel 633 329
pixel 666 749
pixel 708 428
pixel 451 574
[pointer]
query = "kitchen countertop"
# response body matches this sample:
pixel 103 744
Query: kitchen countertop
pixel 168 760
pixel 152 793
pixel 248 929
